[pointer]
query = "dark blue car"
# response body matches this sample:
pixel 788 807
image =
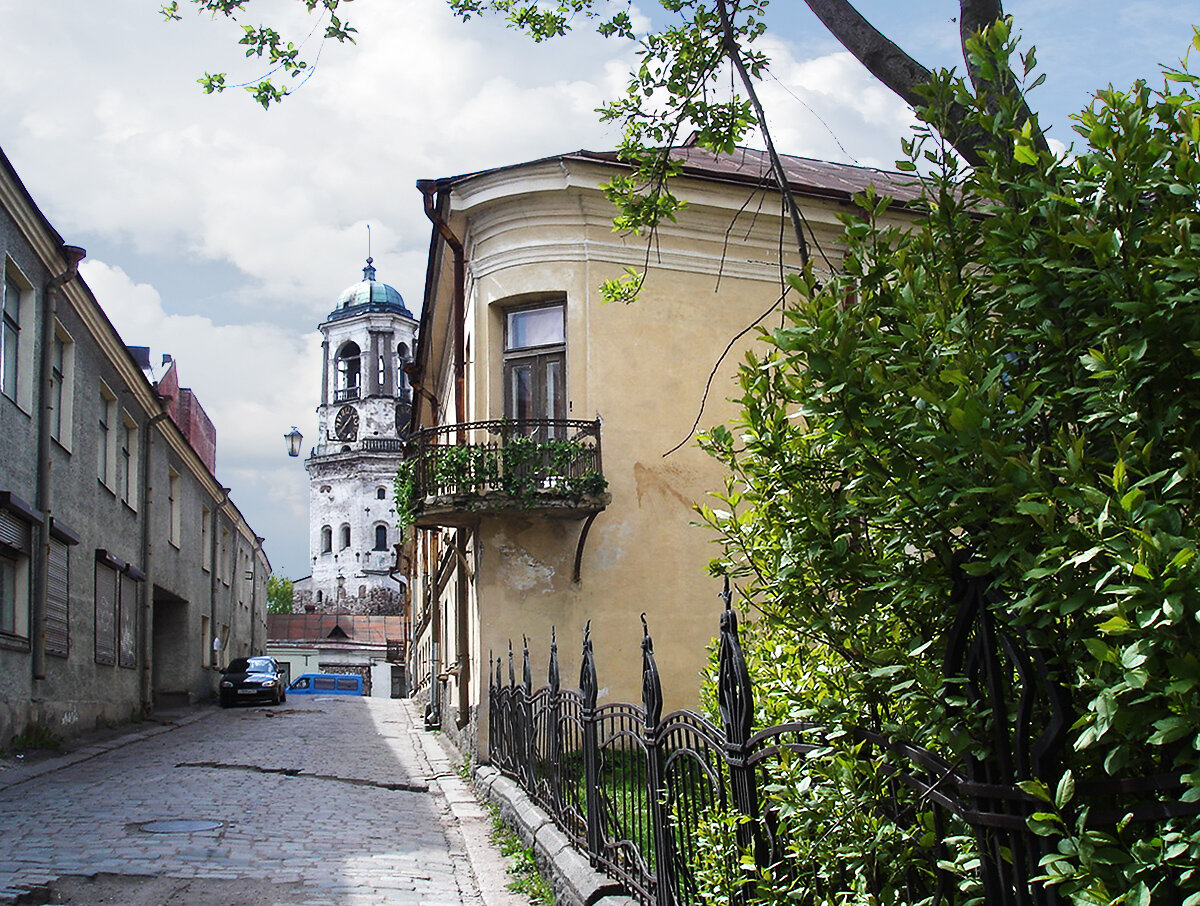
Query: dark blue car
pixel 252 679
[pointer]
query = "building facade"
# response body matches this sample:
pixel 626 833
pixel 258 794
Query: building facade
pixel 362 422
pixel 555 485
pixel 128 577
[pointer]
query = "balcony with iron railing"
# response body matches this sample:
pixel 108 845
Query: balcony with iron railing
pixel 550 467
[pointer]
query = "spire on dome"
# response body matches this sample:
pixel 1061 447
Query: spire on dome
pixel 369 270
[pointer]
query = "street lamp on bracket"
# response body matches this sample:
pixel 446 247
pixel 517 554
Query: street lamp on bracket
pixel 293 438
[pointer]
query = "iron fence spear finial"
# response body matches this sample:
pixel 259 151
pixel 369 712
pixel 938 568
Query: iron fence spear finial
pixel 552 673
pixel 651 684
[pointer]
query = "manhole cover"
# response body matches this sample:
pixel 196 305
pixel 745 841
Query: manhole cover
pixel 179 826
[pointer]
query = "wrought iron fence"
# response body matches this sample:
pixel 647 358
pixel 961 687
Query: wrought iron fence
pixel 515 458
pixel 633 788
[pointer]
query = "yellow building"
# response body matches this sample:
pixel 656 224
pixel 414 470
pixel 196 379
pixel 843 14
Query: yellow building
pixel 527 387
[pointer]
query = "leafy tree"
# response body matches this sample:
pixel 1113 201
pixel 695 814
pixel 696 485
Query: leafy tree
pixel 1010 389
pixel 279 594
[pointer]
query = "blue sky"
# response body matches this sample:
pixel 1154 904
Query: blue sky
pixel 222 234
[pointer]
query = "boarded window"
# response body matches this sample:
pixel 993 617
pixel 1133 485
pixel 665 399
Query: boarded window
pixel 128 621
pixel 58 600
pixel 107 596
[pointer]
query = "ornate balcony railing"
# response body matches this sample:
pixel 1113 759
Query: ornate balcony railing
pixel 345 394
pixel 492 466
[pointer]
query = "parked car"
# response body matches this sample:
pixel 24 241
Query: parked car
pixel 252 679
pixel 327 684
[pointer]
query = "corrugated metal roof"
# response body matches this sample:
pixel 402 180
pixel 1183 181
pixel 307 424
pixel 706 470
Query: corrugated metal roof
pixel 323 627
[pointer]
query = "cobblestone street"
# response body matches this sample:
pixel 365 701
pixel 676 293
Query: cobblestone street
pixel 329 801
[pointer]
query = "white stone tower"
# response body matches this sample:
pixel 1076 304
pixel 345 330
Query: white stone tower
pixel 362 422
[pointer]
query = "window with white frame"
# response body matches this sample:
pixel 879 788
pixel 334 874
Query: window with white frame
pixel 62 385
pixel 128 460
pixel 175 521
pixel 17 334
pixel 206 643
pixel 223 557
pixel 14 596
pixel 16 547
pixel 10 337
pixel 106 444
pixel 205 539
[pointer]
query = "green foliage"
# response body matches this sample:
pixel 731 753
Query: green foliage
pixel 522 868
pixel 402 495
pixel 263 42
pixel 279 594
pixel 1011 386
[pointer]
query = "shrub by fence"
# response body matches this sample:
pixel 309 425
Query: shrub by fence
pixel 663 803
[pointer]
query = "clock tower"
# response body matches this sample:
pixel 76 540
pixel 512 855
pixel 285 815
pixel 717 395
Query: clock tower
pixel 362 422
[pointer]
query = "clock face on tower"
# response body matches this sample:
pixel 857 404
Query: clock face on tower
pixel 345 423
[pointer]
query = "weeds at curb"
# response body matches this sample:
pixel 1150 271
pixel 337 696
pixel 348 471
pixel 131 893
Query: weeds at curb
pixel 526 879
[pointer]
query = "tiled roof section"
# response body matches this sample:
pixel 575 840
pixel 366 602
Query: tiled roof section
pixel 808 176
pixel 316 627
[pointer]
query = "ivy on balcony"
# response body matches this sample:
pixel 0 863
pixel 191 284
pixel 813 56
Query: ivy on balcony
pixel 501 465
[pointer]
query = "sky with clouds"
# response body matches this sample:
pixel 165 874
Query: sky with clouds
pixel 222 234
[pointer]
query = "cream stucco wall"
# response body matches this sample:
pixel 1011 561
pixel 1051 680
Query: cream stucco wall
pixel 544 232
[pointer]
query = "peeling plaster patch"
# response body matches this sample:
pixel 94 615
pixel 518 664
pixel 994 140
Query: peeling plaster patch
pixel 520 570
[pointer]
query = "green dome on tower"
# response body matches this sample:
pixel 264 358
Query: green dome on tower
pixel 369 295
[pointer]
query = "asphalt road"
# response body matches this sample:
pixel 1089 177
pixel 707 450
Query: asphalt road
pixel 322 801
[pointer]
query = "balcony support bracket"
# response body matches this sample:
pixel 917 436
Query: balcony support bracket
pixel 583 533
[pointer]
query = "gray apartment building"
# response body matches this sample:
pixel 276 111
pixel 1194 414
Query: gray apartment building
pixel 128 576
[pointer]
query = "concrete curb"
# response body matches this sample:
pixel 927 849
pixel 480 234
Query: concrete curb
pixel 14 776
pixel 467 821
pixel 574 881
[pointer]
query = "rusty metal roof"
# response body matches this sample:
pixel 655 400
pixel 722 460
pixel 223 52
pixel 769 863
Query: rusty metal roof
pixel 333 629
pixel 747 166
pixel 807 176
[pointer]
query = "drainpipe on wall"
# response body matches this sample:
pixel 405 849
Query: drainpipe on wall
pixel 435 660
pixel 428 189
pixel 458 304
pixel 213 578
pixel 146 684
pixel 41 550
pixel 258 550
pixel 464 634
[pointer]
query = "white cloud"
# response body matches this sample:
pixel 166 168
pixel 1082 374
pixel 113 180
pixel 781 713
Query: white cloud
pixel 831 108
